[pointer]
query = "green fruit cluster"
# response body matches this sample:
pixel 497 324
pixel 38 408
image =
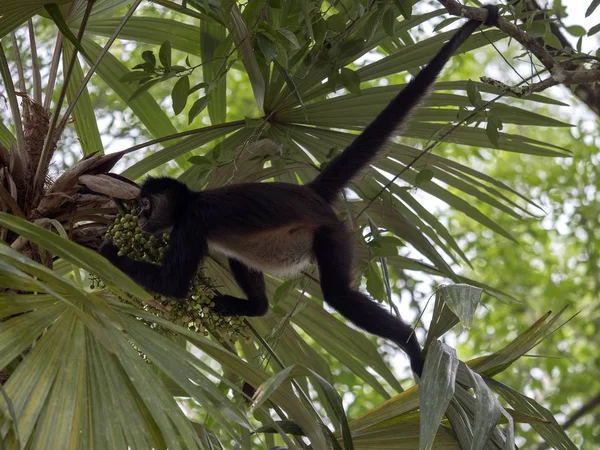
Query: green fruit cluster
pixel 195 311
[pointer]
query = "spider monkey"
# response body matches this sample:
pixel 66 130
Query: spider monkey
pixel 280 227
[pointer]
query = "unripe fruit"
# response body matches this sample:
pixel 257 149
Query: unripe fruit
pixel 195 312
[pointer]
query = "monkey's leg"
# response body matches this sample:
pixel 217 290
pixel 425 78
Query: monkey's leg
pixel 333 252
pixel 252 283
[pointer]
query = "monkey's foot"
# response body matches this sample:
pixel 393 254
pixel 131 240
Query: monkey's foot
pixel 228 305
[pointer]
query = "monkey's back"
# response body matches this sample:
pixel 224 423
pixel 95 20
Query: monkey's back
pixel 267 226
pixel 258 206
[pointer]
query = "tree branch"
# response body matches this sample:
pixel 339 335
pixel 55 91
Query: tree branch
pixel 565 73
pixel 582 411
pixel 588 94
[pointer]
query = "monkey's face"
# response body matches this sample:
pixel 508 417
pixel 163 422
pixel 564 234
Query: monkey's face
pixel 155 214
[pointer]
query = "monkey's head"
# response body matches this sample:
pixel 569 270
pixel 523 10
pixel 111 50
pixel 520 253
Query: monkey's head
pixel 163 202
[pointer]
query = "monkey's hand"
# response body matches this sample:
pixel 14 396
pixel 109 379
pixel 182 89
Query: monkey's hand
pixel 109 250
pixel 227 305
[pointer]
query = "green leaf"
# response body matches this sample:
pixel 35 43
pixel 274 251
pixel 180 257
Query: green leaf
pixel 424 176
pixel 593 5
pixel 351 48
pixel 135 76
pixel 267 47
pixel 595 29
pixel 494 124
pixel 283 397
pixel 148 56
pixel 147 67
pixel 197 108
pixel 149 30
pixel 85 123
pixel 201 161
pixel 164 55
pixel 488 413
pixel 284 289
pixel 375 283
pixel 444 23
pixel 242 37
pixel 6 137
pixel 576 30
pixel 320 31
pixel 389 22
pixel 372 25
pixel 180 93
pixel 405 7
pixel 538 28
pixel 214 45
pixel 551 40
pixel 198 87
pixel 330 395
pixel 336 22
pixel 76 254
pixel 436 390
pixel 350 80
pixel 473 94
pixel 289 81
pixel 55 14
pixel 549 430
pixel 333 79
pixel 307 20
pixel 462 300
pixel 144 107
pixel 288 426
pixel 288 39
pixel 142 89
pixel 282 57
pixel 386 245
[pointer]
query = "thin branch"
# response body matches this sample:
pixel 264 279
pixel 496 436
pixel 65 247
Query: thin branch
pixel 556 69
pixel 582 411
pixel 588 94
pixel 512 30
pixel 521 91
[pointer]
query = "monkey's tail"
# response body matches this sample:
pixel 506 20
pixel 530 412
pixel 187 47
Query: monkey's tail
pixel 344 167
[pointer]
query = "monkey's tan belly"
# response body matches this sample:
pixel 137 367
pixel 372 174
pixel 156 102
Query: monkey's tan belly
pixel 282 252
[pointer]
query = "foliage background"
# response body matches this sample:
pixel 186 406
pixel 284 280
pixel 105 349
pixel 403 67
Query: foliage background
pixel 556 260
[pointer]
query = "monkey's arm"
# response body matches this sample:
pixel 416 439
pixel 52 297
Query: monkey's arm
pixel 187 249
